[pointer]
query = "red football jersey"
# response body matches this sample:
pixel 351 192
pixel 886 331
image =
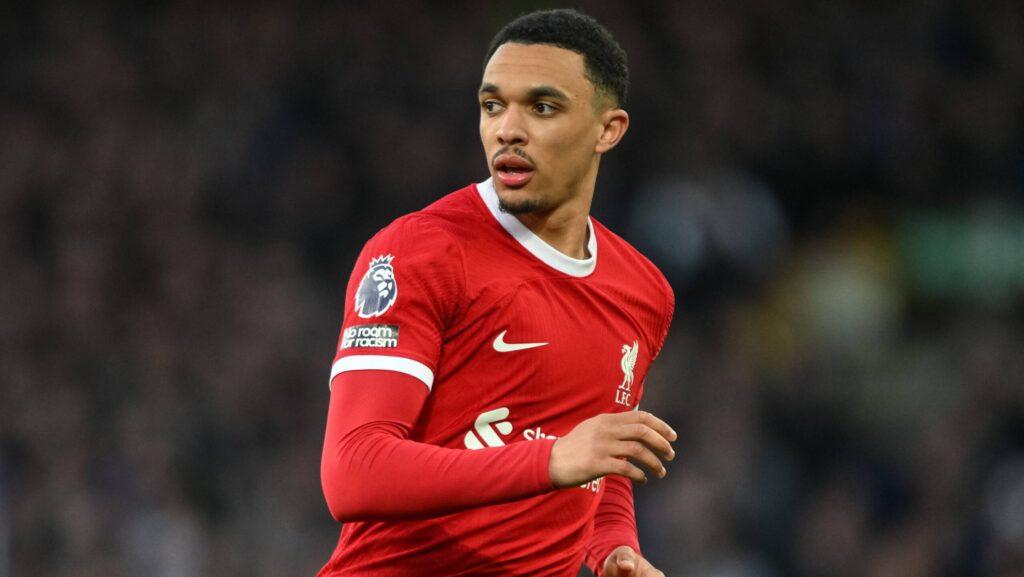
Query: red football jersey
pixel 515 342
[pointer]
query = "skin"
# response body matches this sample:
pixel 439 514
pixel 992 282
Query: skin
pixel 537 103
pixel 625 562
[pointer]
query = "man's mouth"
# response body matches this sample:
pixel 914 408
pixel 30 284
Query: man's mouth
pixel 513 171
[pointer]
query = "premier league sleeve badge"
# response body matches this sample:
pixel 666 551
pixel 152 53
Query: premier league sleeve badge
pixel 378 290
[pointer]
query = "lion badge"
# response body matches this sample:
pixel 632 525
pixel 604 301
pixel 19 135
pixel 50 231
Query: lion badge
pixel 378 290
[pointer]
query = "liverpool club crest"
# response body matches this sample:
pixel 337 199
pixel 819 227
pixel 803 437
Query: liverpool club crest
pixel 628 363
pixel 378 290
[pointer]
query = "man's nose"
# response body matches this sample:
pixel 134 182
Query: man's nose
pixel 510 128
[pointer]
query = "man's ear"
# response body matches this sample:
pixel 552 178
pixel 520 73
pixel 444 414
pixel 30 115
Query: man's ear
pixel 615 122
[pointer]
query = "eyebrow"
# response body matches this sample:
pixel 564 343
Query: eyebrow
pixel 547 92
pixel 534 93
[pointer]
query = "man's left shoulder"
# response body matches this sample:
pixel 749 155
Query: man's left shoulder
pixel 624 260
pixel 638 282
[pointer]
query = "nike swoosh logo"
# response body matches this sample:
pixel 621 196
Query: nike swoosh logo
pixel 502 347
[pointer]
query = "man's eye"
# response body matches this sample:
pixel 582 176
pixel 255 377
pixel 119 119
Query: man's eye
pixel 543 108
pixel 490 106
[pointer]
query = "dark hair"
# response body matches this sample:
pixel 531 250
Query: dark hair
pixel 604 60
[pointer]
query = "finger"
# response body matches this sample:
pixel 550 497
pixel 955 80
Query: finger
pixel 647 436
pixel 661 427
pixel 626 469
pixel 639 453
pixel 645 418
pixel 645 569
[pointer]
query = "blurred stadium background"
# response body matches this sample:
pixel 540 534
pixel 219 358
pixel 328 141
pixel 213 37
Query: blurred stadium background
pixel 835 189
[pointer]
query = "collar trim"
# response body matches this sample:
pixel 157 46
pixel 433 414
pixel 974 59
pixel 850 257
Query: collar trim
pixel 536 245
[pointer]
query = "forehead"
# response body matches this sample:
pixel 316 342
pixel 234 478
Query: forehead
pixel 523 66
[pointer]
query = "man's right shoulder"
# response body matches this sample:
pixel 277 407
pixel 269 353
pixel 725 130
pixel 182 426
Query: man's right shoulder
pixel 421 253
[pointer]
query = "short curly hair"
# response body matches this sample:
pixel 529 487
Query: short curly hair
pixel 604 60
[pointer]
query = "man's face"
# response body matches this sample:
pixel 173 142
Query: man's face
pixel 539 126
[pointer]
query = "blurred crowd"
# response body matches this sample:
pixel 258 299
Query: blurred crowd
pixel 835 190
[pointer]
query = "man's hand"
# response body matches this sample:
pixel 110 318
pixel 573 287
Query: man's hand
pixel 625 562
pixel 605 445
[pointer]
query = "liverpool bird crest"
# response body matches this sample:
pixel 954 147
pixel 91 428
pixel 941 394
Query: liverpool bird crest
pixel 629 354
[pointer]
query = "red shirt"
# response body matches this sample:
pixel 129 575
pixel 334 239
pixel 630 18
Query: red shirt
pixel 510 344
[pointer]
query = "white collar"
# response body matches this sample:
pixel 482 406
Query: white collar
pixel 536 245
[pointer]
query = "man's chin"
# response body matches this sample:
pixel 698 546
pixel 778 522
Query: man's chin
pixel 528 206
pixel 518 201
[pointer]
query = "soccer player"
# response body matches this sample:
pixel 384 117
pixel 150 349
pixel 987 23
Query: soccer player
pixel 483 403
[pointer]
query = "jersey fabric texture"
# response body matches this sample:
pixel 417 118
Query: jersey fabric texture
pixel 510 344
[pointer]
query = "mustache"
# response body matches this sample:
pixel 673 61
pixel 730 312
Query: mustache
pixel 514 150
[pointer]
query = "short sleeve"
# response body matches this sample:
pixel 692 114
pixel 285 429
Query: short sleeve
pixel 406 287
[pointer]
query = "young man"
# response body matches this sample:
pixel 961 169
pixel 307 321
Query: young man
pixel 482 417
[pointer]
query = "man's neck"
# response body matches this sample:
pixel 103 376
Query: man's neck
pixel 565 229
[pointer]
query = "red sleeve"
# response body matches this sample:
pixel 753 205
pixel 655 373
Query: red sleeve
pixel 614 523
pixel 407 285
pixel 405 288
pixel 371 471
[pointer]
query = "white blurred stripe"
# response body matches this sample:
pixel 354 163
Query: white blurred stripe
pixel 383 363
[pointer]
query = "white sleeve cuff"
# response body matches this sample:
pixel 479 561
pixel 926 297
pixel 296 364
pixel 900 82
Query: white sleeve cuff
pixel 383 363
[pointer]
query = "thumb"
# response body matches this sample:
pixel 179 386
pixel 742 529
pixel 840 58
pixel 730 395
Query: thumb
pixel 622 562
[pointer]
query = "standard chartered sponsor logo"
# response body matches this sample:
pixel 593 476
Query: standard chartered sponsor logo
pixel 487 427
pixel 370 336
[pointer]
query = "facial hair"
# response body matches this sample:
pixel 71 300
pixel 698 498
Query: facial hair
pixel 525 206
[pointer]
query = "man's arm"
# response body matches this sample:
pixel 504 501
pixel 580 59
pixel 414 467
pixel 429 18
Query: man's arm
pixel 371 470
pixel 614 523
pixel 614 550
